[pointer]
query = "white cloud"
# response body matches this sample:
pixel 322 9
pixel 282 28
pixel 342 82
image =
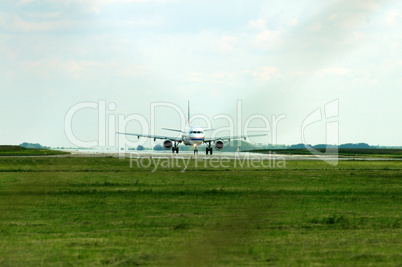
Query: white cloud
pixel 292 22
pixel 11 22
pixel 227 43
pixel 316 27
pixel 332 17
pixel 130 71
pixel 20 24
pixel 24 2
pixel 391 17
pixel 337 71
pixel 140 22
pixel 46 15
pixel 268 39
pixel 265 73
pixel 217 77
pixel 73 66
pixel 257 24
pixel 353 39
pixel 91 6
pixel 54 22
pixel 370 5
pixel 70 68
pixel 334 70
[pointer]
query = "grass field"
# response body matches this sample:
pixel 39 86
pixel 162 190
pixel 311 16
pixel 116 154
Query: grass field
pixel 341 152
pixel 22 151
pixel 98 211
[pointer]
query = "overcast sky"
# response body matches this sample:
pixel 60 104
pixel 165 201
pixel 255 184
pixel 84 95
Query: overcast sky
pixel 275 58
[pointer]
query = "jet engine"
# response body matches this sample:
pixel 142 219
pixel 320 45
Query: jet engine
pixel 218 145
pixel 167 144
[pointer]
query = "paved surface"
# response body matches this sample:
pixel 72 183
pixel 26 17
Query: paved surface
pixel 201 155
pixel 216 154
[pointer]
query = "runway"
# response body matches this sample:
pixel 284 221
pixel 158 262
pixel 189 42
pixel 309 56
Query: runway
pixel 216 155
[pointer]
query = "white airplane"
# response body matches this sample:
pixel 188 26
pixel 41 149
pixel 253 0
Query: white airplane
pixel 191 136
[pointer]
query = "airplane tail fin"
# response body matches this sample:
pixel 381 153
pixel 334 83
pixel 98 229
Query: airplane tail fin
pixel 188 113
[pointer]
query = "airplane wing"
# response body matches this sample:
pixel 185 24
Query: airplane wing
pixel 180 131
pixel 231 137
pixel 154 136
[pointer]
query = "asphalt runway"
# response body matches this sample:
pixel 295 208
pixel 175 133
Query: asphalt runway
pixel 216 155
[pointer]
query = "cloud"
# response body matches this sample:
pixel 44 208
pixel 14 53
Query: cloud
pixel 19 24
pixel 369 5
pixel 56 22
pixel 24 2
pixel 44 16
pixel 257 24
pixel 90 6
pixel 336 71
pixel 268 39
pixel 316 27
pixel 70 68
pixel 265 73
pixel 391 18
pixel 73 66
pixel 292 22
pixel 332 17
pixel 130 71
pixel 138 22
pixel 40 22
pixel 227 43
pixel 217 77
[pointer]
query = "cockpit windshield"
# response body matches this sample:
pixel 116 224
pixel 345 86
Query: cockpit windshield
pixel 196 132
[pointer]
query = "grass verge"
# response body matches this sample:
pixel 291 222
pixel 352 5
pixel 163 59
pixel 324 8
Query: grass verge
pixel 21 151
pixel 342 152
pixel 99 211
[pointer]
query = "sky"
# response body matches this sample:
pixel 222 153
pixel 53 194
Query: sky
pixel 300 71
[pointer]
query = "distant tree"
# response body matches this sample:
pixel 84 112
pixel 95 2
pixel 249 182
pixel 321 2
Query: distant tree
pixel 359 145
pixel 272 146
pixel 158 147
pixel 32 145
pixel 324 146
pixel 298 146
pixel 232 146
pixel 140 147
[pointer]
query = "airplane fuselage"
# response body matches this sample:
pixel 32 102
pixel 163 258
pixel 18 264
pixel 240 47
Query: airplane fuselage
pixel 193 136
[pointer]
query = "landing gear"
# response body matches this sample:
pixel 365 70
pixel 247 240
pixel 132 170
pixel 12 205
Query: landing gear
pixel 175 149
pixel 209 147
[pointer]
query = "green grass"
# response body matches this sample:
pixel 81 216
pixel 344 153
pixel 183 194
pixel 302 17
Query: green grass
pixel 342 152
pixel 99 211
pixel 21 151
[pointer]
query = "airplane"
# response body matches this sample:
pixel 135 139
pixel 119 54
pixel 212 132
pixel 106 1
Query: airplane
pixel 191 136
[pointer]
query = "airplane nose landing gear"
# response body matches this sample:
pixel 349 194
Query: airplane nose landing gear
pixel 195 150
